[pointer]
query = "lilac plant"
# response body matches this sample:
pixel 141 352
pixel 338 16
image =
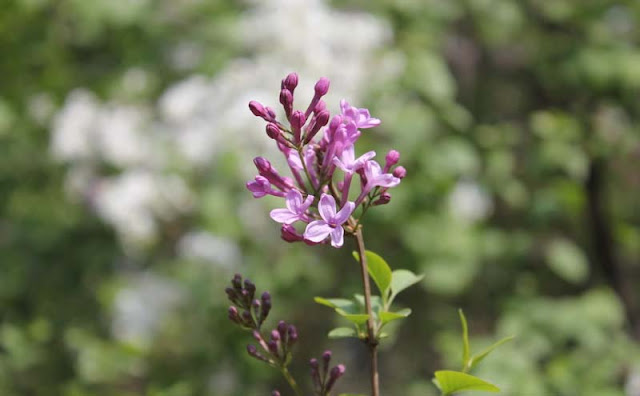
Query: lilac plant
pixel 326 196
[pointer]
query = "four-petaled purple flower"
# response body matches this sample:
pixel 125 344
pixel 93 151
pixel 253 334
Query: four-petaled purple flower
pixel 348 163
pixel 361 117
pixel 296 208
pixel 331 223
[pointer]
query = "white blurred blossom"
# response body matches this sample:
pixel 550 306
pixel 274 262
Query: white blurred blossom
pixel 141 306
pixel 469 202
pixel 202 245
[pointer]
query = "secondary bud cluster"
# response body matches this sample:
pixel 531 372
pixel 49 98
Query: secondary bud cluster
pixel 276 348
pixel 322 377
pixel 320 153
pixel 247 311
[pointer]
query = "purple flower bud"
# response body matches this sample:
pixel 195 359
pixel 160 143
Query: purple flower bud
pixel 391 159
pixel 262 164
pixel 260 187
pixel 400 172
pixel 247 319
pixel 275 393
pixel 314 363
pixel 231 294
pixel 275 336
pixel 233 315
pixel 322 86
pixel 258 109
pixel 273 131
pixel 253 352
pixel 292 335
pixel 321 105
pixel 326 358
pixel 256 335
pixel 250 288
pixel 255 303
pixel 315 375
pixel 321 119
pixel 273 347
pixel 286 99
pixel 297 121
pixel 289 233
pixel 282 329
pixel 336 121
pixel 270 113
pixel 266 306
pixel 384 199
pixel 290 82
pixel 336 372
pixel 237 281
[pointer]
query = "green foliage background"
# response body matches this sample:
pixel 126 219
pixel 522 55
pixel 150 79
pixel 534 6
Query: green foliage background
pixel 535 102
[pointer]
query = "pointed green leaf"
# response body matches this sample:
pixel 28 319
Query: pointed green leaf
pixel 402 279
pixel 465 342
pixel 378 269
pixel 450 382
pixel 387 317
pixel 376 302
pixel 343 332
pixel 354 318
pixel 477 358
pixel 333 302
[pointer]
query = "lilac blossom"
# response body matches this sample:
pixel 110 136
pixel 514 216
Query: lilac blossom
pixel 361 117
pixel 296 208
pixel 348 163
pixel 376 178
pixel 331 223
pixel 260 187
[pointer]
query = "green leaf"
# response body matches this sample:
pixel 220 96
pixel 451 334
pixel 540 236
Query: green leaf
pixel 343 332
pixel 351 394
pixel 465 342
pixel 454 381
pixel 477 358
pixel 402 279
pixel 354 318
pixel 378 269
pixel 567 261
pixel 333 302
pixel 387 317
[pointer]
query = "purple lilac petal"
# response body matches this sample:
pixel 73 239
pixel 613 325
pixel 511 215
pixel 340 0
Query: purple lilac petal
pixel 361 117
pixel 343 215
pixel 284 216
pixel 327 207
pixel 293 201
pixel 317 231
pixel 337 237
pixel 348 163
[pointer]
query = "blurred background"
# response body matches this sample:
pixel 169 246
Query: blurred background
pixel 126 141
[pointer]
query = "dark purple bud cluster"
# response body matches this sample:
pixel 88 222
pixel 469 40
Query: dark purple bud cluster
pixel 247 311
pixel 276 349
pixel 322 377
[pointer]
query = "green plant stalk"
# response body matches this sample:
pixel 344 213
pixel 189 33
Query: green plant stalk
pixel 292 382
pixel 371 340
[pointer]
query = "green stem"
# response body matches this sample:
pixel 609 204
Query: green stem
pixel 371 340
pixel 292 382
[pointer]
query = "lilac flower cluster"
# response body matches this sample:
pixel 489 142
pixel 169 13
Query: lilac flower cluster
pixel 316 195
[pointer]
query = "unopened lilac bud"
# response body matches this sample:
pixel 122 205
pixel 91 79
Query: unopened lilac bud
pixel 258 109
pixel 275 393
pixel 321 119
pixel 326 358
pixel 290 82
pixel 282 328
pixel 321 105
pixel 255 305
pixel 400 172
pixel 231 294
pixel 384 199
pixel 392 158
pixel 250 288
pixel 286 99
pixel 314 363
pixel 237 281
pixel 336 121
pixel 266 306
pixel 322 86
pixel 233 315
pixel 273 131
pixel 292 335
pixel 315 375
pixel 297 121
pixel 336 372
pixel 289 233
pixel 247 319
pixel 262 164
pixel 253 352
pixel 275 335
pixel 273 347
pixel 256 335
pixel 270 113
